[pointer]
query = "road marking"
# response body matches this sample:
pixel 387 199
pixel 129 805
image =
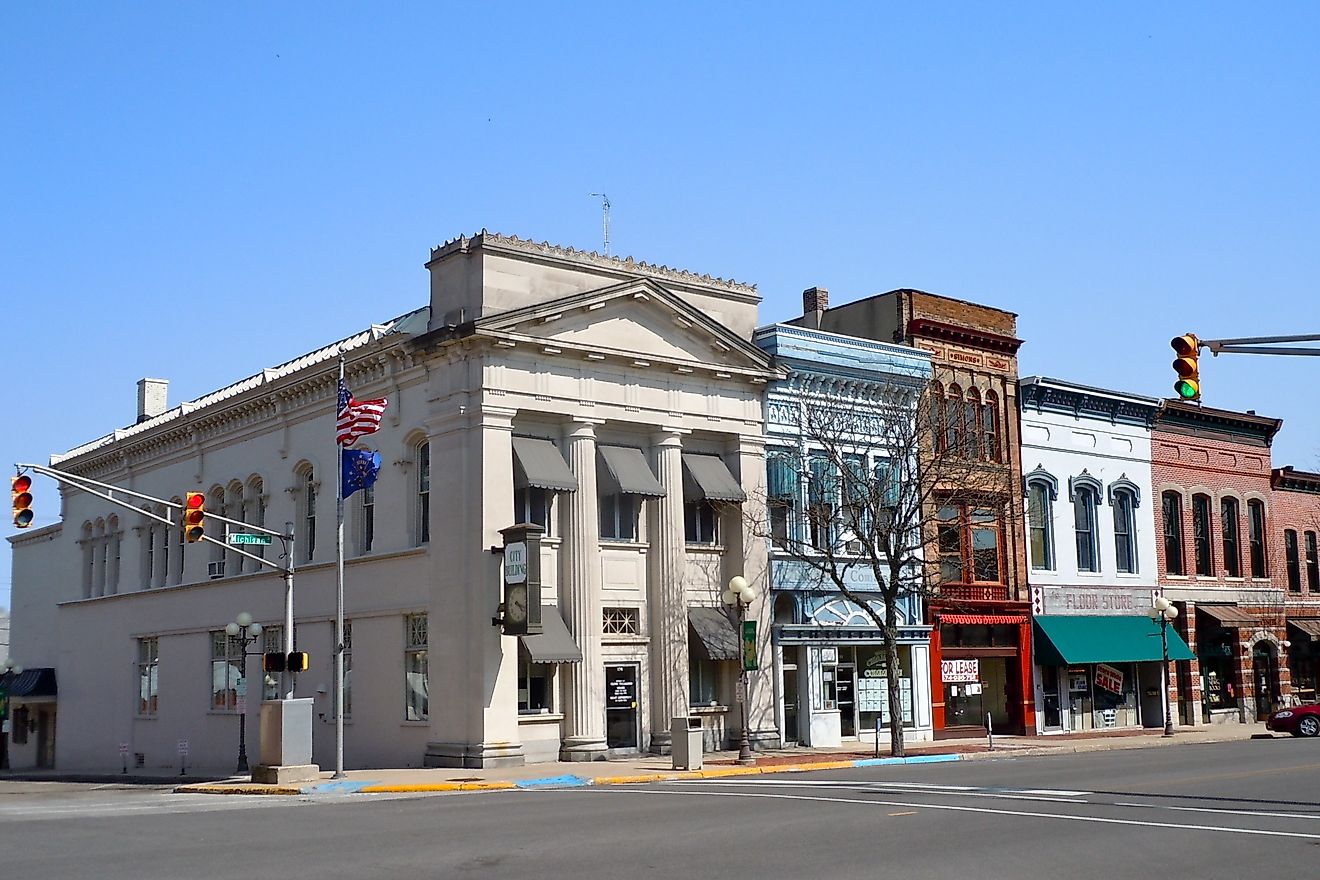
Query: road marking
pixel 1013 794
pixel 1101 820
pixel 1312 816
pixel 905 813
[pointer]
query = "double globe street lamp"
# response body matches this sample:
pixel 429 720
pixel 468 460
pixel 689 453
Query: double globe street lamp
pixel 739 596
pixel 1164 611
pixel 247 632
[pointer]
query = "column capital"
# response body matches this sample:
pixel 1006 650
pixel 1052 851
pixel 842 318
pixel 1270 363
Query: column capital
pixel 583 428
pixel 669 436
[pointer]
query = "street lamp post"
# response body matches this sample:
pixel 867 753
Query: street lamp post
pixel 8 670
pixel 1164 611
pixel 739 595
pixel 247 632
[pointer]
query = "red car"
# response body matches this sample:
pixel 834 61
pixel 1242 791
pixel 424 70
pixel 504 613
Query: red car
pixel 1299 720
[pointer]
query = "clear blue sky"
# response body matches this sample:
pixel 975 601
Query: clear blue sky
pixel 196 191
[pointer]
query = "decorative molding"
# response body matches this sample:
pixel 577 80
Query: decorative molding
pixel 1040 475
pixel 1085 480
pixel 1123 484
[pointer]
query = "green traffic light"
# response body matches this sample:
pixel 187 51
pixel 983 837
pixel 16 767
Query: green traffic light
pixel 1186 389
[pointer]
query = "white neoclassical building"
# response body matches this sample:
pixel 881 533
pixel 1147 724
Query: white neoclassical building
pixel 616 403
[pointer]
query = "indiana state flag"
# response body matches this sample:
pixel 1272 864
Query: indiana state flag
pixel 359 469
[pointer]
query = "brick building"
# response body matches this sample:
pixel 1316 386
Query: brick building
pixel 981 613
pixel 1211 481
pixel 1295 503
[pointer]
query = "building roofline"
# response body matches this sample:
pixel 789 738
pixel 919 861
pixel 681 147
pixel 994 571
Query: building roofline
pixel 1124 396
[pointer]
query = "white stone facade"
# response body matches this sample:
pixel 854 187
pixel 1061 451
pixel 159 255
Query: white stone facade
pixel 519 340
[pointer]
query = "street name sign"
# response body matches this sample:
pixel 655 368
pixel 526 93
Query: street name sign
pixel 245 538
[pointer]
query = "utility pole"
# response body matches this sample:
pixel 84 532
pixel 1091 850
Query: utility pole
pixel 605 218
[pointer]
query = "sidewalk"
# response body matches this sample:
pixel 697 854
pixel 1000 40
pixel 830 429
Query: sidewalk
pixel 654 768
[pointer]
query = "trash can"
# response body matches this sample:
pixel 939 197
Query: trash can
pixel 687 738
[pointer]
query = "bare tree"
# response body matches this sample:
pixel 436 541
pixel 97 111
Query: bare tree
pixel 867 481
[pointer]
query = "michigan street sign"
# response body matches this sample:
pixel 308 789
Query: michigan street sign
pixel 245 538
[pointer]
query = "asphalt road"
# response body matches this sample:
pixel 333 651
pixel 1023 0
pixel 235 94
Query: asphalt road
pixel 1230 810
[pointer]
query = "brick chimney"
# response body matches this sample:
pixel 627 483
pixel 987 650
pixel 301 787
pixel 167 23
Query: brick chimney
pixel 152 398
pixel 815 300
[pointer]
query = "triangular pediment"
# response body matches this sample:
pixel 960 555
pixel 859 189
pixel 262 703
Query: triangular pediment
pixel 637 320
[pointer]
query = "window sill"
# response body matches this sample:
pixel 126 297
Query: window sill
pixel 708 709
pixel 407 722
pixel 537 717
pixel 703 547
pixel 618 544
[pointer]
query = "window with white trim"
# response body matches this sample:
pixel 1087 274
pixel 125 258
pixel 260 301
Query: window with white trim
pixel 226 671
pixel 422 505
pixel 148 671
pixel 416 702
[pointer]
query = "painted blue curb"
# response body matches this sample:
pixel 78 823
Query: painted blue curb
pixel 343 786
pixel 566 781
pixel 914 759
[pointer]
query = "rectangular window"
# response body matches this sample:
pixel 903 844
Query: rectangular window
pixel 272 642
pixel 703 681
pixel 1084 524
pixel 1171 508
pixel 532 505
pixel 1256 526
pixel 367 519
pixel 148 675
pixel 1292 561
pixel 416 703
pixel 990 431
pixel 619 517
pixel 1312 567
pixel 950 544
pixel 535 685
pixel 1125 544
pixel 226 671
pixel 1201 535
pixel 781 487
pixel 822 497
pixel 309 515
pixel 985 545
pixel 1038 523
pixel 1228 524
pixel 701 522
pixel 620 622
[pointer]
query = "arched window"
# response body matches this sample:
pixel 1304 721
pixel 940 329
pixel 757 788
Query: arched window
pixel 234 564
pixel 953 431
pixel 423 504
pixel 1205 566
pixel 990 427
pixel 87 554
pixel 1256 527
pixel 937 424
pixel 1228 527
pixel 1085 492
pixel 971 438
pixel 1292 560
pixel 309 513
pixel 216 502
pixel 113 539
pixel 1124 502
pixel 1171 510
pixel 1042 492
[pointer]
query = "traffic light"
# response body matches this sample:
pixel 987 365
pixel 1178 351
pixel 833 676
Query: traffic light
pixel 274 661
pixel 297 661
pixel 194 514
pixel 1188 349
pixel 20 488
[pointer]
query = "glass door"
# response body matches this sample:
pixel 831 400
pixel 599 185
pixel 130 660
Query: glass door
pixel 791 734
pixel 1050 700
pixel 846 691
pixel 621 706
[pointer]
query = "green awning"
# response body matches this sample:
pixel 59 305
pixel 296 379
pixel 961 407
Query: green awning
pixel 1065 639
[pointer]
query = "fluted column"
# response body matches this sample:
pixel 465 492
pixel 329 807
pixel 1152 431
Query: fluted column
pixel 668 594
pixel 579 601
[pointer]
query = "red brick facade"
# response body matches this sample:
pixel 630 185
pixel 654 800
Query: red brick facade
pixel 1217 543
pixel 1296 570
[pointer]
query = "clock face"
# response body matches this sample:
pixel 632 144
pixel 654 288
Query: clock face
pixel 515 603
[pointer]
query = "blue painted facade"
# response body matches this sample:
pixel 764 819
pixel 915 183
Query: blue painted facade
pixel 827 652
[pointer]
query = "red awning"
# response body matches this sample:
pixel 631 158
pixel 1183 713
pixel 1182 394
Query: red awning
pixel 982 619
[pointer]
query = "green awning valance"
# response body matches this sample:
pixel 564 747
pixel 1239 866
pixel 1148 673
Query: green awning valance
pixel 1065 639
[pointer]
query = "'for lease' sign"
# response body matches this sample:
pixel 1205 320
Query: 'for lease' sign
pixel 960 671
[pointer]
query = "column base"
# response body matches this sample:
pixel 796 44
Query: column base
pixel 760 740
pixel 282 774
pixel 662 742
pixel 581 748
pixel 474 756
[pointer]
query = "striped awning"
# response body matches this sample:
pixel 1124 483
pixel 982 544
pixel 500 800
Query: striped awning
pixel 982 619
pixel 1229 615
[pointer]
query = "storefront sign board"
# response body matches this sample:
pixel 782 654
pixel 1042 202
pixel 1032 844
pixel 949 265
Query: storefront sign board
pixel 1098 600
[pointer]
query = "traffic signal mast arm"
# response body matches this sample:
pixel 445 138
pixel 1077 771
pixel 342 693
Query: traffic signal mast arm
pixel 86 484
pixel 1255 345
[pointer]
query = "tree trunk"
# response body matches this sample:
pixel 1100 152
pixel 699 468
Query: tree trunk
pixel 892 670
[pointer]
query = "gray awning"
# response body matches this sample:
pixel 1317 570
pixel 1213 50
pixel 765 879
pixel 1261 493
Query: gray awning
pixel 715 633
pixel 624 471
pixel 537 464
pixel 1229 615
pixel 33 684
pixel 555 644
pixel 705 477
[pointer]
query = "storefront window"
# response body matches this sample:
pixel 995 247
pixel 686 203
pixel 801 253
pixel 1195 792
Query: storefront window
pixel 873 685
pixel 1219 685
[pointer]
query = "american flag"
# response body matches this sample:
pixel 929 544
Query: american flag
pixel 357 418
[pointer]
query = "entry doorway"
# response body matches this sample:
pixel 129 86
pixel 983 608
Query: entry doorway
pixel 1265 678
pixel 791 734
pixel 622 731
pixel 846 694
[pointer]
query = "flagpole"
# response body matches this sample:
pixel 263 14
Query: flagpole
pixel 339 597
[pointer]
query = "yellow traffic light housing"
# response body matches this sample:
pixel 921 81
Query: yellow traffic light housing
pixel 1188 349
pixel 20 488
pixel 194 517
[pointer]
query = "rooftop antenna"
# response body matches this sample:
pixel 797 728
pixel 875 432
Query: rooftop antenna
pixel 605 218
